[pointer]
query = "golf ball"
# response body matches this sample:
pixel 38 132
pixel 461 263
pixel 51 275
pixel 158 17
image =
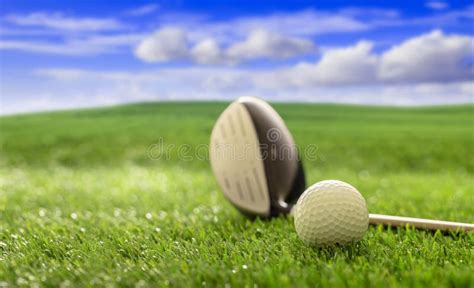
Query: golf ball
pixel 331 212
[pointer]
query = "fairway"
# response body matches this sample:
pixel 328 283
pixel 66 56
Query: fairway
pixel 105 197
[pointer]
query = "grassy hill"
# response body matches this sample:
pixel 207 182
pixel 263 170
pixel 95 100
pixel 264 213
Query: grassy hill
pixel 82 200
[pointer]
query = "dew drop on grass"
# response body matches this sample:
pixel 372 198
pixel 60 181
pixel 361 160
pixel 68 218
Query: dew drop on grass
pixel 21 281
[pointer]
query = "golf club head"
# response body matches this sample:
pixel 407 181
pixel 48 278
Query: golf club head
pixel 255 160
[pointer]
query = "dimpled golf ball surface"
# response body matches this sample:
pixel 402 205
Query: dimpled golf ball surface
pixel 331 212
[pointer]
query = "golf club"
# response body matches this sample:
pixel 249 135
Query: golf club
pixel 419 223
pixel 254 159
pixel 262 181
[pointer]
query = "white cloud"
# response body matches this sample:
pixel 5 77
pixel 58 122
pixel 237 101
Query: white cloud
pixel 429 58
pixel 350 65
pixel 50 48
pixel 264 44
pixel 62 74
pixel 93 45
pixel 170 44
pixel 448 18
pixel 81 88
pixel 112 40
pixel 468 87
pixel 164 45
pixel 60 22
pixel 437 5
pixel 312 23
pixel 370 13
pixel 207 52
pixel 227 83
pixel 432 57
pixel 143 10
pixel 306 23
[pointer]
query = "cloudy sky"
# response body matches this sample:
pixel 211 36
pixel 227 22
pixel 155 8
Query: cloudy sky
pixel 68 54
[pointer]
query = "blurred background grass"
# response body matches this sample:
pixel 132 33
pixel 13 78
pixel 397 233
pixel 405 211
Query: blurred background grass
pixel 351 137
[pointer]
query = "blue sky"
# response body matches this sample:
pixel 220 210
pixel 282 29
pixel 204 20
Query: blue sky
pixel 69 54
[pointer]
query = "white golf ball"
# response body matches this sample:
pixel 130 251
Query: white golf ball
pixel 331 212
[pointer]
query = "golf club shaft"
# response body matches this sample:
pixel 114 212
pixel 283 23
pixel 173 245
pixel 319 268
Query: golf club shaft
pixel 397 221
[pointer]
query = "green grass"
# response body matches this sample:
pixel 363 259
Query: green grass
pixel 82 203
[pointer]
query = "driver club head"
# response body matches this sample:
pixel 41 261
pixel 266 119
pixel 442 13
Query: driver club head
pixel 255 160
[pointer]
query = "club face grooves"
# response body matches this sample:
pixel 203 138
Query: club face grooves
pixel 236 161
pixel 263 178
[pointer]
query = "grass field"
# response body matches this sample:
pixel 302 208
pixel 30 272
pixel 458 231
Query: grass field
pixel 82 203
